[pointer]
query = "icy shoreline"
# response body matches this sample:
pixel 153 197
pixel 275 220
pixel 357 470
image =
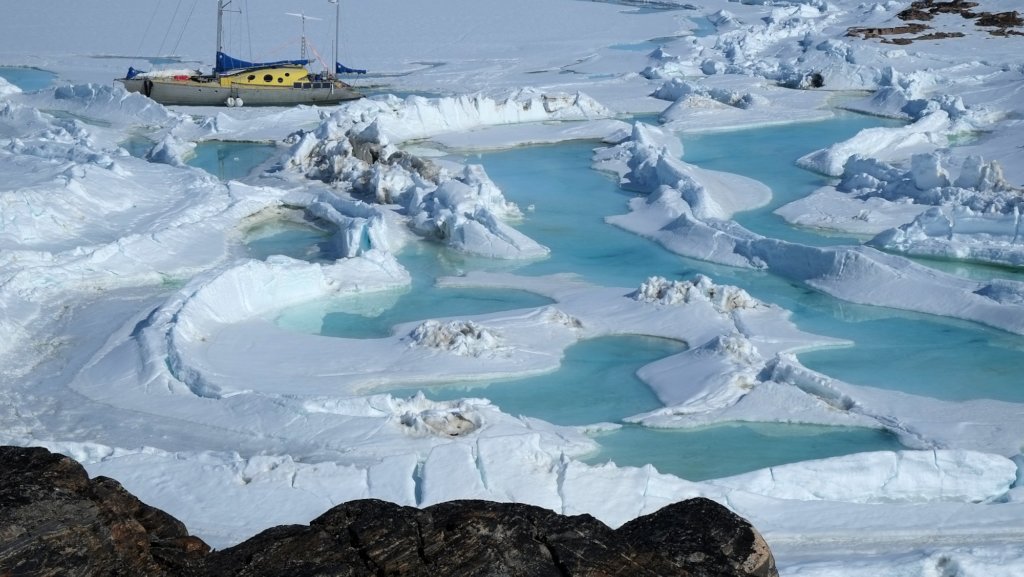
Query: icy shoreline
pixel 136 334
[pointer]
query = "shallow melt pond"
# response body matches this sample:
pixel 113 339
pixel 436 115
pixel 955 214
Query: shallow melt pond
pixel 914 353
pixel 288 238
pixel 596 383
pixel 565 203
pixel 231 160
pixel 374 315
pixel 732 449
pixel 769 155
pixel 932 357
pixel 26 78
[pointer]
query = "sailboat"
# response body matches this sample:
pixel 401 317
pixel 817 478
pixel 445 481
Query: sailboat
pixel 235 82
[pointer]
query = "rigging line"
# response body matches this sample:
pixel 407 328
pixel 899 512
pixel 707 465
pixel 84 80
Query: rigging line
pixel 159 52
pixel 187 20
pixel 145 35
pixel 318 58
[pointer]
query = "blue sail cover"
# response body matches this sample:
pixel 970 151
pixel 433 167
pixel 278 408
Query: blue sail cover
pixel 225 63
pixel 340 68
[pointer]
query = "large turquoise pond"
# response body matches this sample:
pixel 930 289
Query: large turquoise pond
pixel 567 203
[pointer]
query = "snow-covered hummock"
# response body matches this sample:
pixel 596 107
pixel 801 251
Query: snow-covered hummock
pixel 687 210
pixel 456 205
pixel 7 89
pixel 137 336
pixel 650 158
pixel 926 207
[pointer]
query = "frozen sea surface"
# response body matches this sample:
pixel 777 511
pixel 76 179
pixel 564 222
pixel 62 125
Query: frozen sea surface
pixel 141 340
pixel 909 352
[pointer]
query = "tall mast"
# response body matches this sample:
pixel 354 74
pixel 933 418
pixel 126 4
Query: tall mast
pixel 221 4
pixel 337 19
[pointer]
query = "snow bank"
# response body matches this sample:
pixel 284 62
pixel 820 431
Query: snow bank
pixel 417 117
pixel 458 337
pixel 929 132
pixel 974 217
pixel 885 477
pixel 684 92
pixel 677 216
pixel 254 287
pixel 925 207
pixel 463 209
pixel 8 89
pixel 725 298
pixel 649 159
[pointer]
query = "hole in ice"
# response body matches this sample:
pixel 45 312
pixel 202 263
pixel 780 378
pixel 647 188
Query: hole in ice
pixel 596 383
pixel 230 160
pixel 290 237
pixel 137 146
pixel 26 78
pixel 742 152
pixel 734 448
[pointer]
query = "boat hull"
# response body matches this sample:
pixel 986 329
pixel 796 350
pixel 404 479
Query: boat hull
pixel 210 93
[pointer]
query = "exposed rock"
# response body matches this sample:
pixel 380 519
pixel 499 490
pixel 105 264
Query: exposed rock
pixel 58 522
pixel 695 538
pixel 875 32
pixel 926 10
pixel 915 14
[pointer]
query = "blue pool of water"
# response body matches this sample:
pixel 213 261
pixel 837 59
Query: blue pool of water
pixel 231 160
pixel 289 238
pixel 746 152
pixel 565 203
pixel 734 448
pixel 569 203
pixel 374 316
pixel 927 356
pixel 26 78
pixel 597 382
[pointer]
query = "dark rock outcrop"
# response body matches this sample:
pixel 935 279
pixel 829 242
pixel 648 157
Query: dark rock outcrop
pixel 55 521
pixel 926 10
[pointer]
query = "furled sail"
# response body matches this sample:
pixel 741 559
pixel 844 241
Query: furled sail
pixel 340 68
pixel 226 63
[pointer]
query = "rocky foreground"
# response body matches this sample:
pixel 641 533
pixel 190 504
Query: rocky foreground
pixel 54 520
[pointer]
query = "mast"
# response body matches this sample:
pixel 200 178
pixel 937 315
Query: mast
pixel 221 4
pixel 337 19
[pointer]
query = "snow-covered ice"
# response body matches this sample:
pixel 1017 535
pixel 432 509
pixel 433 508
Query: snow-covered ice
pixel 138 336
